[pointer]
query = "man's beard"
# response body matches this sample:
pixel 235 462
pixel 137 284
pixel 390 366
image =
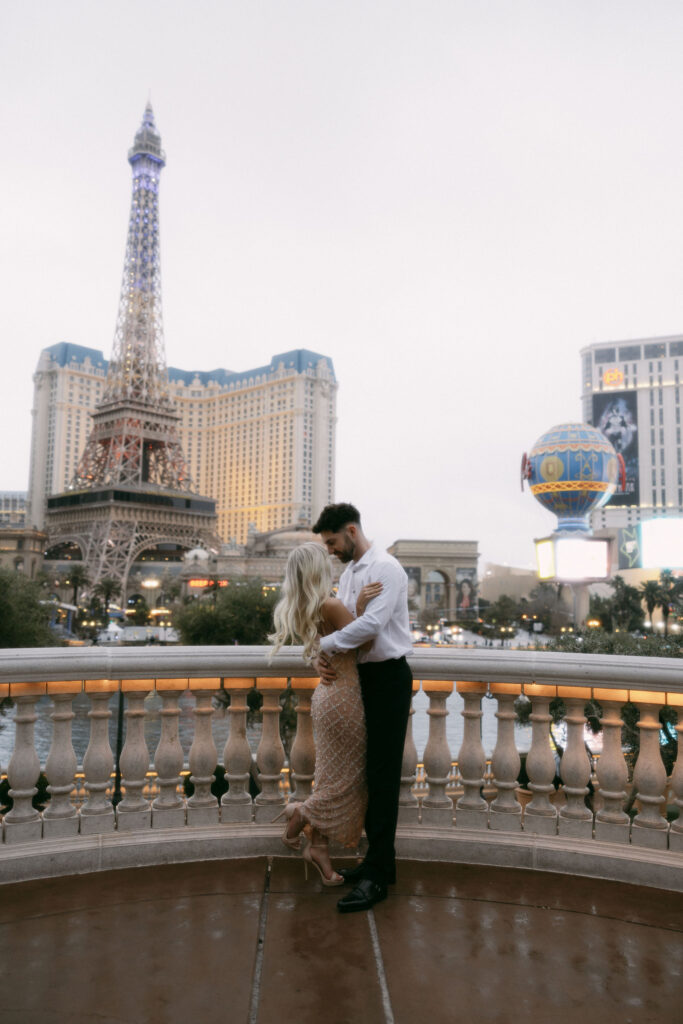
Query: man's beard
pixel 346 555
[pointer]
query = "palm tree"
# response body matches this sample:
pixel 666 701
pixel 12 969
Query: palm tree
pixel 649 591
pixel 106 589
pixel 78 577
pixel 668 591
pixel 626 606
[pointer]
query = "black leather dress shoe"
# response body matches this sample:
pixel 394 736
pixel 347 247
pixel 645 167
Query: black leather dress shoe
pixel 352 875
pixel 362 897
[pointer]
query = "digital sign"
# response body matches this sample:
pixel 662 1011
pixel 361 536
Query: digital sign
pixel 661 543
pixel 572 559
pixel 615 414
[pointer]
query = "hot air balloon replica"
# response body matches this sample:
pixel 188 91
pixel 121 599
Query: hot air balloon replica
pixel 573 469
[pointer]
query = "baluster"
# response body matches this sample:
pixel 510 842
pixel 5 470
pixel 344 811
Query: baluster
pixel 471 810
pixel 236 804
pixel 202 806
pixel 505 813
pixel 302 756
pixel 134 812
pixel 408 804
pixel 4 692
pixel 575 767
pixel 60 817
pixel 437 808
pixel 676 830
pixel 649 827
pixel 97 813
pixel 168 810
pixel 270 755
pixel 23 823
pixel 612 824
pixel 540 816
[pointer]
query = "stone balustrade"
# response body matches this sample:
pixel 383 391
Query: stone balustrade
pixel 475 813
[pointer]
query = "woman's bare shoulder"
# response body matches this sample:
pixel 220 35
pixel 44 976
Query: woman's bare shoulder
pixel 335 613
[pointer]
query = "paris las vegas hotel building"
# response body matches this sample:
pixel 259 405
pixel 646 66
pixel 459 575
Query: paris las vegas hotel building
pixel 631 391
pixel 261 443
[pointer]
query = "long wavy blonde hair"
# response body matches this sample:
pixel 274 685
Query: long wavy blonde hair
pixel 307 583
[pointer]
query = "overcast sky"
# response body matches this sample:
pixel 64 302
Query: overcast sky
pixel 449 199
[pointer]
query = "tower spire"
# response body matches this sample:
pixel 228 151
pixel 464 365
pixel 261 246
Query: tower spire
pixel 132 489
pixel 134 438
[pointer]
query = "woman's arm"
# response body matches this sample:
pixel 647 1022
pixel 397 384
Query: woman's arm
pixel 335 614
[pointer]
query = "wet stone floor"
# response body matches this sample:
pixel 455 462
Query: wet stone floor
pixel 252 942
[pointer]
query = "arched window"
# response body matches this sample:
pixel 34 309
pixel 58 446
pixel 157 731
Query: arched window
pixel 435 590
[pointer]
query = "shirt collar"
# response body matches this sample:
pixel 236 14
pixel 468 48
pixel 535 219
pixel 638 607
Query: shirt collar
pixel 364 560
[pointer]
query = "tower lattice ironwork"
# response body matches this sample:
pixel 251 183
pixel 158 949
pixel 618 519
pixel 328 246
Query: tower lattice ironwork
pixel 132 488
pixel 134 437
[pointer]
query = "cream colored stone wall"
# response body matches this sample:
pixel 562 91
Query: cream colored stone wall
pixel 263 449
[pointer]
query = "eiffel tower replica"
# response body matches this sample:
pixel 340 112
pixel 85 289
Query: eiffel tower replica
pixel 132 489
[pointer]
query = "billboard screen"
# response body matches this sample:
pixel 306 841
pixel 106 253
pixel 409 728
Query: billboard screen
pixel 661 543
pixel 572 558
pixel 629 547
pixel 615 414
pixel 466 592
pixel 577 558
pixel 414 574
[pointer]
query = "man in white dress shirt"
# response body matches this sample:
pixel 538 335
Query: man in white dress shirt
pixel 386 686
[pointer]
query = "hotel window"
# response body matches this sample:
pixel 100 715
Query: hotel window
pixel 605 355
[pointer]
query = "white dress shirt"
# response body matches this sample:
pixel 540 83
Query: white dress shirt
pixel 385 621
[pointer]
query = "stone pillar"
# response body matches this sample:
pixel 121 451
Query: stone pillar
pixel 236 804
pixel 575 766
pixel 649 827
pixel 168 810
pixel 270 756
pixel 505 812
pixel 471 810
pixel 202 806
pixel 676 830
pixel 437 808
pixel 408 805
pixel 23 823
pixel 612 824
pixel 540 816
pixel 97 813
pixel 302 756
pixel 60 817
pixel 134 812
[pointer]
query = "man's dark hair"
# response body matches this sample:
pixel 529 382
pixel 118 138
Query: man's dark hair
pixel 335 517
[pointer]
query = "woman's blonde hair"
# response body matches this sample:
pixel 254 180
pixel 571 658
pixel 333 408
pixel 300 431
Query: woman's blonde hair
pixel 307 583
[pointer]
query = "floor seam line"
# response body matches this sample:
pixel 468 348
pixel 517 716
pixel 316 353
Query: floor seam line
pixel 381 975
pixel 255 997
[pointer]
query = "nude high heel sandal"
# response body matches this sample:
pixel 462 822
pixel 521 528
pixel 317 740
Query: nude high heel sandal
pixel 288 812
pixel 308 859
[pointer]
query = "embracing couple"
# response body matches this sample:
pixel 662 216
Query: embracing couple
pixel 358 644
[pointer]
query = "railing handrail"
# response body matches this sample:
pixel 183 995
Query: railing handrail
pixel 609 671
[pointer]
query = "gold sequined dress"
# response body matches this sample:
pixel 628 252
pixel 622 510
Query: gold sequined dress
pixel 337 804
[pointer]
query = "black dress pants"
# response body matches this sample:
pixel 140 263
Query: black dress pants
pixel 387 688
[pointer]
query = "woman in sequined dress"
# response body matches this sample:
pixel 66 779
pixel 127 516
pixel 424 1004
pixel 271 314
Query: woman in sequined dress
pixel 336 808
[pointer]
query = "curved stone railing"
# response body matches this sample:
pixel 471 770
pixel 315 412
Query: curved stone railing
pixel 486 819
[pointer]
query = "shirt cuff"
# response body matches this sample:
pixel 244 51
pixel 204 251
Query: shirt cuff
pixel 327 644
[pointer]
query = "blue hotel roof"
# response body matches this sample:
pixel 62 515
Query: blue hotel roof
pixel 298 360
